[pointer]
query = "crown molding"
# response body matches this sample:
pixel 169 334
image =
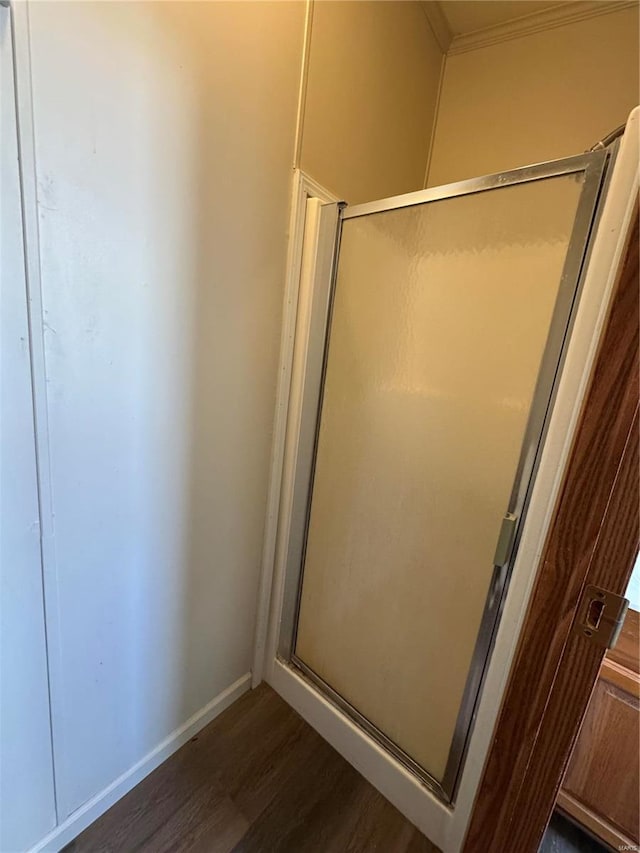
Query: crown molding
pixel 525 25
pixel 438 23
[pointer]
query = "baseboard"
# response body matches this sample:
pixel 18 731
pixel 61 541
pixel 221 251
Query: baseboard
pixel 98 805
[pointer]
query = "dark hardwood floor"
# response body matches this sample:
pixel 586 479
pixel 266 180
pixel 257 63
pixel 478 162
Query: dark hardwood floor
pixel 257 779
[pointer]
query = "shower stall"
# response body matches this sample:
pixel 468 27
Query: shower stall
pixel 417 467
pixel 447 319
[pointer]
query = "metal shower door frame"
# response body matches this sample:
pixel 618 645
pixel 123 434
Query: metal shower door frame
pixel 595 166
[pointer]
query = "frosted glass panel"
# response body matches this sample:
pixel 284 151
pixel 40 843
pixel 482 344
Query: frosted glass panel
pixel 440 319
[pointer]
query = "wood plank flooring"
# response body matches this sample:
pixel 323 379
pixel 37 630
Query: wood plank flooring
pixel 257 779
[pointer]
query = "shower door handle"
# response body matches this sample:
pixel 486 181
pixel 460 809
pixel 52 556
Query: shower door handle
pixel 506 539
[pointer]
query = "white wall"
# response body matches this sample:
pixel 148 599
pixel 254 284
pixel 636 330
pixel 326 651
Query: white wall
pixel 371 90
pixel 536 97
pixel 164 142
pixel 27 808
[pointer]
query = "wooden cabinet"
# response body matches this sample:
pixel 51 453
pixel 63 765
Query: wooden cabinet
pixel 602 784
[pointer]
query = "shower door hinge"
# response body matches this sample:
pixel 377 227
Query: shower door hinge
pixel 600 616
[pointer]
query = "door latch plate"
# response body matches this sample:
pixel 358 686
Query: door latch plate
pixel 600 616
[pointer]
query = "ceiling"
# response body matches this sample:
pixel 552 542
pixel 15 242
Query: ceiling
pixel 465 16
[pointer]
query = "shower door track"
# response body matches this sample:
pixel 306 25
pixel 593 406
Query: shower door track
pixel 370 728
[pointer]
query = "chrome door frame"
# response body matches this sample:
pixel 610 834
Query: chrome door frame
pixel 595 165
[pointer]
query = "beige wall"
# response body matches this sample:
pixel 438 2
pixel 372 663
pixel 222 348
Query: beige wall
pixel 535 98
pixel 373 77
pixel 164 140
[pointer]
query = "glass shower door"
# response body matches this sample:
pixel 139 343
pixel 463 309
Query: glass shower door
pixel 448 316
